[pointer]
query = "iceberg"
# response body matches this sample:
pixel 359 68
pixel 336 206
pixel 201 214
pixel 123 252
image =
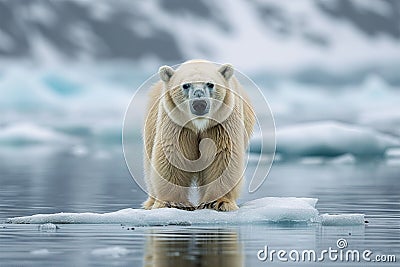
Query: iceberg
pixel 29 134
pixel 329 139
pixel 263 210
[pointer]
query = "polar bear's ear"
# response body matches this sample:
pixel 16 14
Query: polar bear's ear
pixel 166 73
pixel 227 71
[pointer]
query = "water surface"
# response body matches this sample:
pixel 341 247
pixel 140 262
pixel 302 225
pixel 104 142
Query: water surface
pixel 41 179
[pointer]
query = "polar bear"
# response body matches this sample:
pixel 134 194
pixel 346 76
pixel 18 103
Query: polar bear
pixel 197 127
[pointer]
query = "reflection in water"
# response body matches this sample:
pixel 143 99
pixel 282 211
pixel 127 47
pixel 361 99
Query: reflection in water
pixel 197 247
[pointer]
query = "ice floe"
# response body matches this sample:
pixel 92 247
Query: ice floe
pixel 111 252
pixel 263 210
pixel 342 219
pixel 40 252
pixel 48 227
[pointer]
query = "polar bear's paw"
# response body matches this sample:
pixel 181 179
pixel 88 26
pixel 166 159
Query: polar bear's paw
pixel 148 204
pixel 181 206
pixel 222 204
pixel 169 204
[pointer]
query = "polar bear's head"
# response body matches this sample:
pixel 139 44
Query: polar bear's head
pixel 197 89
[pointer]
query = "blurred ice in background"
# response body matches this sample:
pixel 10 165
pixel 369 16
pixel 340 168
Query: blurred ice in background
pixel 69 68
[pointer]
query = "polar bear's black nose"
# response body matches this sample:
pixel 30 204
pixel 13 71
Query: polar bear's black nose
pixel 198 93
pixel 199 107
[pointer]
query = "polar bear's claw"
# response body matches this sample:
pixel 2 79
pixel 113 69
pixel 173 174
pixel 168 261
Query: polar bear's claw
pixel 222 204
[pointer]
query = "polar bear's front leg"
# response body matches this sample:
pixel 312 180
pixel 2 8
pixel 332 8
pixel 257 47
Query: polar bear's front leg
pixel 170 183
pixel 172 188
pixel 219 191
pixel 220 183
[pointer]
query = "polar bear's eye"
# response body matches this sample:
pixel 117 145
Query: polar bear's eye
pixel 210 85
pixel 186 86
